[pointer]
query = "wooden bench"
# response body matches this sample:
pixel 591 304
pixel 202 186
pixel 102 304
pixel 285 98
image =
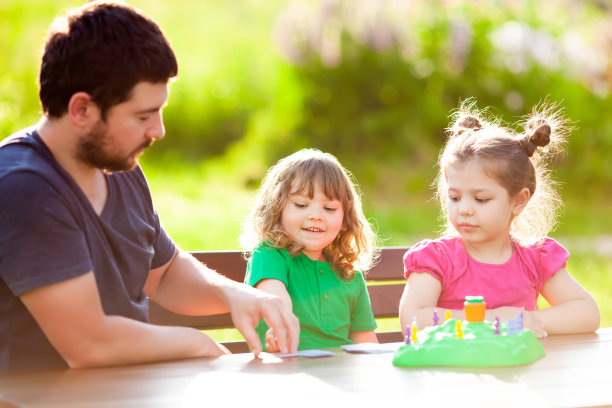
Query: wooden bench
pixel 385 285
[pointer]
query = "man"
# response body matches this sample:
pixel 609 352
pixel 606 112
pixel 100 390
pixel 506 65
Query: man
pixel 81 245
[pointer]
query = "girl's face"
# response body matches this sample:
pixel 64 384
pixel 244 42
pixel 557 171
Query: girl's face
pixel 312 222
pixel 479 208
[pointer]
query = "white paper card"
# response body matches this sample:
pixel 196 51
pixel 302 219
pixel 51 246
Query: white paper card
pixel 307 353
pixel 370 348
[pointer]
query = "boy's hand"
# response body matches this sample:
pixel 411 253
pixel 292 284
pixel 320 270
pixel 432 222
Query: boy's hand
pixel 271 342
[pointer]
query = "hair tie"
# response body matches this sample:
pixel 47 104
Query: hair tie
pixel 474 129
pixel 530 148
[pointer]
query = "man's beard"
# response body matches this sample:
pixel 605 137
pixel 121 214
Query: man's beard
pixel 92 149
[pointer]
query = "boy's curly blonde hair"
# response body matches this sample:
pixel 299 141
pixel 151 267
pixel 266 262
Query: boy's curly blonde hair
pixel 355 246
pixel 516 160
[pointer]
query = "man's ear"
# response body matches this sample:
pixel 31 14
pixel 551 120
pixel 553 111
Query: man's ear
pixel 82 110
pixel 520 201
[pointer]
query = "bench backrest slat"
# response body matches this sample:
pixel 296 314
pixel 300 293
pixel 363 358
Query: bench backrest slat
pixel 385 286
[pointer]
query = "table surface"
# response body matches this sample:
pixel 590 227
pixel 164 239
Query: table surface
pixel 575 372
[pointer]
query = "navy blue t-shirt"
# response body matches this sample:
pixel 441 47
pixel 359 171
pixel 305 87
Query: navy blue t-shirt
pixel 49 233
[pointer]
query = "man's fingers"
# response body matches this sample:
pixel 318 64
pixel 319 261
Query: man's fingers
pixel 252 339
pixel 275 321
pixel 246 313
pixel 294 332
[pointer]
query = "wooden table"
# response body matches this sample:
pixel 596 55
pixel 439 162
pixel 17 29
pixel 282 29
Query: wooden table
pixel 576 372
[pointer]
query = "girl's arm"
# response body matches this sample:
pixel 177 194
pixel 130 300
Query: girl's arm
pixel 420 298
pixel 573 309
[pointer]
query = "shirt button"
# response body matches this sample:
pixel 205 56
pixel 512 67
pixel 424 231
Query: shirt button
pixel 321 271
pixel 325 296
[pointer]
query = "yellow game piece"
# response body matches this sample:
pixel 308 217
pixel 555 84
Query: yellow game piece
pixel 413 335
pixel 459 329
pixel 447 314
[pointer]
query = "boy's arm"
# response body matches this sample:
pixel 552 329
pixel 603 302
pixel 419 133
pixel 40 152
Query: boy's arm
pixel 276 288
pixel 573 309
pixel 362 316
pixel 363 336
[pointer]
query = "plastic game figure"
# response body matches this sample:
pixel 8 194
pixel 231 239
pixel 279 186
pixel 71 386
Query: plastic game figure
pixel 459 329
pixel 474 308
pixel 415 329
pixel 458 342
pixel 511 327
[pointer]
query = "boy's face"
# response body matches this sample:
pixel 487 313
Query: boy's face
pixel 131 126
pixel 312 222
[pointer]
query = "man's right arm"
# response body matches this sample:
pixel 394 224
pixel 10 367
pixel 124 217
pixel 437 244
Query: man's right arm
pixel 71 316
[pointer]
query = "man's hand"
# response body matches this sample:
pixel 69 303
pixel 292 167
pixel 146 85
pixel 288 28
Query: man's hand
pixel 249 305
pixel 185 286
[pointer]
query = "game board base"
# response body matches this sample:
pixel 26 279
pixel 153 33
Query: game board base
pixel 478 347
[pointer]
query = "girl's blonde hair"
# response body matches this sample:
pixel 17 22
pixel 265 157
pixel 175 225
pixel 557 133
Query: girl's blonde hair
pixel 516 160
pixel 354 247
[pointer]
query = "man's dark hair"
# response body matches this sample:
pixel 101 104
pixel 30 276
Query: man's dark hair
pixel 103 48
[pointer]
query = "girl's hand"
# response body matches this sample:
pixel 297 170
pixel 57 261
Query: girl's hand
pixel 530 321
pixel 271 342
pixel 505 313
pixel 534 324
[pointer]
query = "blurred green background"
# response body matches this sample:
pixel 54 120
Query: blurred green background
pixel 370 81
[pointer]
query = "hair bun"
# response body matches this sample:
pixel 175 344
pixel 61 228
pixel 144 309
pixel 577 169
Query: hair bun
pixel 538 138
pixel 469 122
pixel 541 136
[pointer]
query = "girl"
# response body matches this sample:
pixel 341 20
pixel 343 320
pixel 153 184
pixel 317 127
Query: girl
pixel 306 235
pixel 496 219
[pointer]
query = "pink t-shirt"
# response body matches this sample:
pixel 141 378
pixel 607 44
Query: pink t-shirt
pixel 514 283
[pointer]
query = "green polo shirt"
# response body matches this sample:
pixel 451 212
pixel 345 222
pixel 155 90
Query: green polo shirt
pixel 327 305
